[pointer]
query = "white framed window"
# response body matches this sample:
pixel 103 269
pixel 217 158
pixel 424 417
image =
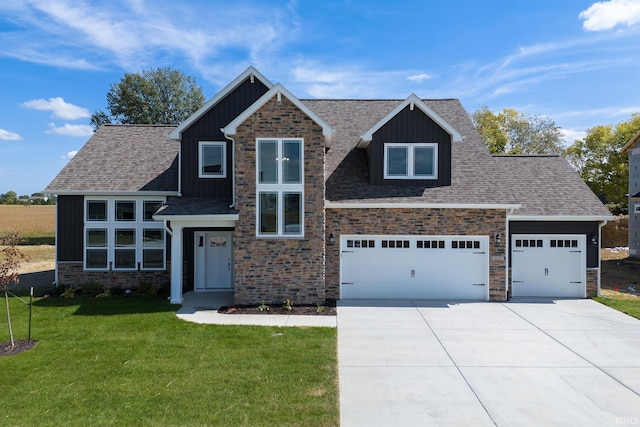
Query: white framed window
pixel 120 234
pixel 411 161
pixel 280 187
pixel 212 156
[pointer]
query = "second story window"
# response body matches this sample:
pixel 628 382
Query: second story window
pixel 212 159
pixel 280 187
pixel 411 161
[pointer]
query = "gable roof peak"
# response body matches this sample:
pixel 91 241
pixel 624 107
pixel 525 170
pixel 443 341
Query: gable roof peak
pixel 412 101
pixel 250 73
pixel 631 143
pixel 279 91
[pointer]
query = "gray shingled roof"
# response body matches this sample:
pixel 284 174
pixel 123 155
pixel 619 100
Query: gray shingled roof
pixel 122 158
pixel 548 186
pixel 178 206
pixel 346 170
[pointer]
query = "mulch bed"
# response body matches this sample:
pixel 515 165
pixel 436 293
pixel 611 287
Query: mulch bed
pixel 20 346
pixel 329 310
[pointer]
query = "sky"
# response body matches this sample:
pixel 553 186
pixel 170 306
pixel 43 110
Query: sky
pixel 576 62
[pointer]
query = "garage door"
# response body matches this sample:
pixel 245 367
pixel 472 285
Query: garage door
pixel 438 267
pixel 548 265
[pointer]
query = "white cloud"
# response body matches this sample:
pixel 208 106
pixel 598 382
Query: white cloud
pixel 417 78
pixel 70 130
pixel 606 15
pixel 571 135
pixel 69 155
pixel 58 107
pixel 6 135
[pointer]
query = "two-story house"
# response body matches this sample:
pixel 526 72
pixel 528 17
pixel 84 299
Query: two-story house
pixel 632 150
pixel 272 197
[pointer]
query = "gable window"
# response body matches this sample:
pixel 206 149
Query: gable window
pixel 411 161
pixel 212 159
pixel 120 234
pixel 280 187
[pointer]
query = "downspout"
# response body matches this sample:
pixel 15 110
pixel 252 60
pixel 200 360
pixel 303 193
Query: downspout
pixel 602 224
pixel 507 258
pixel 180 170
pixel 233 168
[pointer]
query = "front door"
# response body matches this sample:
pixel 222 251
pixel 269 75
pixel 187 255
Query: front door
pixel 213 266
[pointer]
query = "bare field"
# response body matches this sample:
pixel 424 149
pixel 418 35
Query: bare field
pixel 28 220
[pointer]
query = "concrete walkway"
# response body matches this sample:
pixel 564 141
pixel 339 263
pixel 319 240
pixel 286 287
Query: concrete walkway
pixel 202 307
pixel 421 363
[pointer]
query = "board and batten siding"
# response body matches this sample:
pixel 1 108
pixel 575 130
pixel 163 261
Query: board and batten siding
pixel 207 128
pixel 410 126
pixel 69 228
pixel 587 228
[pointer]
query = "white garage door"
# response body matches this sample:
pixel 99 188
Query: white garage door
pixel 437 267
pixel 548 265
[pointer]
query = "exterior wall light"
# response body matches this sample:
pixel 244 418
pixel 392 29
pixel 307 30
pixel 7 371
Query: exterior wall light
pixel 332 238
pixel 498 237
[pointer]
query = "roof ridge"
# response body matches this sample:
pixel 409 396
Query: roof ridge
pixel 138 125
pixel 526 155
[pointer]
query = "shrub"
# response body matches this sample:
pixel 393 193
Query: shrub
pixel 147 288
pixel 92 289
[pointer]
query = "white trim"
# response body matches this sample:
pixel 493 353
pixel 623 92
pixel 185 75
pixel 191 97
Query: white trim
pixel 278 91
pixel 99 193
pixel 250 73
pixel 198 218
pixel 201 145
pixel 558 218
pixel 388 205
pixel 411 148
pixel 413 99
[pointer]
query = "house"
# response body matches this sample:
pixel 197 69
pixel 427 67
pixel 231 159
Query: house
pixel 273 197
pixel 632 149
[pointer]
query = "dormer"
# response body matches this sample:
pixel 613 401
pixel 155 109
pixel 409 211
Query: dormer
pixel 411 146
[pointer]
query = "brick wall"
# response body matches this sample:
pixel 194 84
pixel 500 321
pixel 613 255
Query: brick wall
pixel 273 269
pixel 476 222
pixel 73 274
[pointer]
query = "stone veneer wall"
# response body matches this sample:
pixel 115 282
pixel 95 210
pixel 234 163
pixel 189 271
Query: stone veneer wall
pixel 592 282
pixel 274 269
pixel 73 274
pixel 472 222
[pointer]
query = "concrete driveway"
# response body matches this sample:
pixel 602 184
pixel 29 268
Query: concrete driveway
pixel 536 362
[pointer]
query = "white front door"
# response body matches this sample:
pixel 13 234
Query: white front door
pixel 213 266
pixel 548 265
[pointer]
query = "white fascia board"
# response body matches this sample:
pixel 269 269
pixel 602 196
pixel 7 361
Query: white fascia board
pixel 110 193
pixel 558 218
pixel 176 134
pixel 631 143
pixel 366 138
pixel 351 205
pixel 278 90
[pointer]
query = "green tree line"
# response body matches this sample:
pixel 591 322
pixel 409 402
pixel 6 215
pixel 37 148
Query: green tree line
pixel 12 198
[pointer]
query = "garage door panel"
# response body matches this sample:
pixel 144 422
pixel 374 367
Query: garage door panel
pixel 549 266
pixel 453 267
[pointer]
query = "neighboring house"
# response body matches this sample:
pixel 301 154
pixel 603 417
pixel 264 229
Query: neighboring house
pixel 274 197
pixel 632 149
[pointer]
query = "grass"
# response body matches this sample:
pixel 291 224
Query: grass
pixel 629 304
pixel 33 222
pixel 131 361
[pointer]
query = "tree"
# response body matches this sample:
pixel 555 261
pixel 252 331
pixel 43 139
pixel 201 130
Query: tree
pixel 160 96
pixel 512 132
pixel 598 160
pixel 9 266
pixel 9 198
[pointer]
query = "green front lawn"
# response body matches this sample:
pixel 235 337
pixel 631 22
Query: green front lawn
pixel 631 306
pixel 130 361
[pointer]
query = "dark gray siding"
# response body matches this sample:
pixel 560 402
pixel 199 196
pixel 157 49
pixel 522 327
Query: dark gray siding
pixel 410 126
pixel 70 225
pixel 561 227
pixel 207 128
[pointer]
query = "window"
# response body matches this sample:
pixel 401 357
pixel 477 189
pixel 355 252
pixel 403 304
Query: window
pixel 636 207
pixel 212 160
pixel 411 161
pixel 131 240
pixel 280 195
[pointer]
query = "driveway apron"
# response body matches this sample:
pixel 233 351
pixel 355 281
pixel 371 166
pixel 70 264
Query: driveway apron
pixel 525 362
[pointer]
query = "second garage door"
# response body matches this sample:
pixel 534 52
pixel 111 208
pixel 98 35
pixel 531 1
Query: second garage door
pixel 412 267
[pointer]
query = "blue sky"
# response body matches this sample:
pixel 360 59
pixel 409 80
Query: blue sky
pixel 574 61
